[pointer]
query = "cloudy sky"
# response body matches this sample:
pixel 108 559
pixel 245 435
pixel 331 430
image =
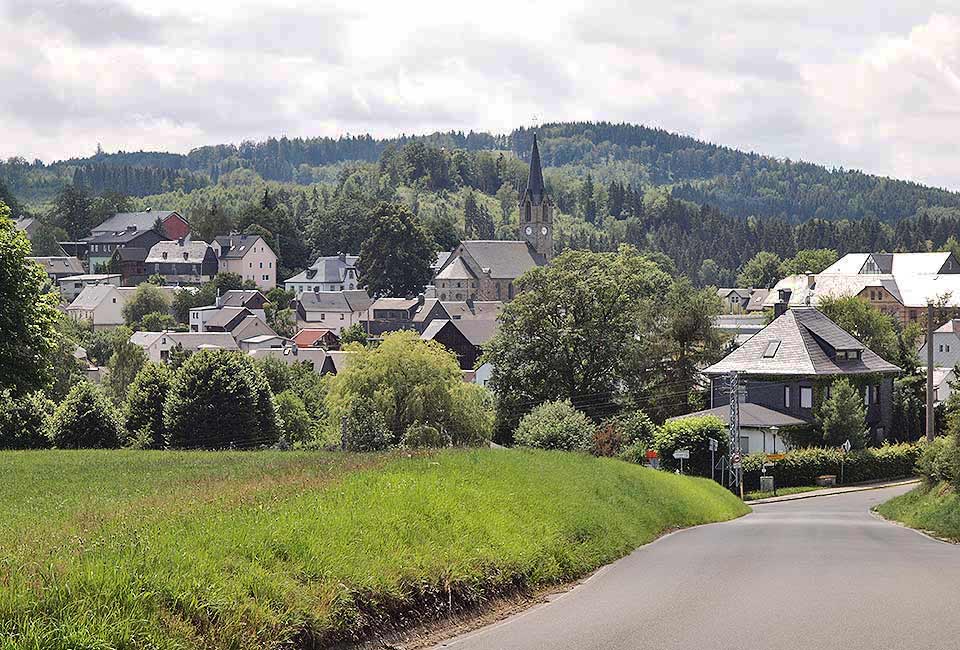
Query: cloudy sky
pixel 853 83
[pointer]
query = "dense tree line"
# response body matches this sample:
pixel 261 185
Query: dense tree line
pixel 135 181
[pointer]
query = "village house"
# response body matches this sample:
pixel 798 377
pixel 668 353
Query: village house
pixel 265 342
pixel 316 338
pixel 249 256
pixel 488 270
pixel 174 225
pixel 101 305
pixel 465 338
pixel 60 267
pixel 333 310
pixel 789 367
pixel 27 225
pixel 289 355
pixel 182 262
pixel 251 299
pixel 130 263
pixel 158 345
pixel 102 247
pixel 72 285
pixel 761 429
pixel 734 300
pixel 898 284
pixel 333 273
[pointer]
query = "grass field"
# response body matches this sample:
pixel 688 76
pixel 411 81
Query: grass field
pixel 935 509
pixel 117 549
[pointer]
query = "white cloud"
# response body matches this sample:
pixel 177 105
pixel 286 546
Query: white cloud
pixel 828 81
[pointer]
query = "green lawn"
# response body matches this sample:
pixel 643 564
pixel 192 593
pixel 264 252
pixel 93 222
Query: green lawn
pixel 935 509
pixel 118 549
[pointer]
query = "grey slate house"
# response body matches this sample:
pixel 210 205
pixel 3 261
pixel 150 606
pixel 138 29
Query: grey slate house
pixel 789 365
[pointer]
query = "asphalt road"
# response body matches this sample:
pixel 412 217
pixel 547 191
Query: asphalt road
pixel 815 573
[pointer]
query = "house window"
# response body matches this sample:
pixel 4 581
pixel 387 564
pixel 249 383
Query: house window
pixel 866 396
pixel 876 394
pixel 261 265
pixel 745 445
pixel 947 347
pixel 941 347
pixel 323 317
pixel 114 301
pixel 806 397
pixel 786 397
pixel 341 316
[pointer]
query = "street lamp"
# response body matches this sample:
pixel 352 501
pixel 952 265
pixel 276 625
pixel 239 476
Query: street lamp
pixel 773 431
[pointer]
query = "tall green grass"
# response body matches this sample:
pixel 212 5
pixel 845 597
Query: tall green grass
pixel 931 507
pixel 112 549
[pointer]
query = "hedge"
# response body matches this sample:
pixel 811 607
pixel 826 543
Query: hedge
pixel 801 467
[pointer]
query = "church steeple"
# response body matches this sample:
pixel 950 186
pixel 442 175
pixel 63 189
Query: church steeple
pixel 536 212
pixel 535 190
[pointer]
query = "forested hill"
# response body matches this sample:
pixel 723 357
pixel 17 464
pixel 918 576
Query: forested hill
pixel 738 183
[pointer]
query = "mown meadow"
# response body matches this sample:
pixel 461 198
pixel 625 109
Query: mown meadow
pixel 140 549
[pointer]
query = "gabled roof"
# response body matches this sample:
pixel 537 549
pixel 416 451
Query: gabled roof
pixel 473 310
pixel 456 270
pixel 140 220
pixel 123 237
pixel 308 337
pixel 394 303
pixel 93 295
pixel 535 190
pixel 243 298
pixel 131 254
pixel 478 332
pixel 440 261
pixel 235 247
pixel 757 297
pixel 890 263
pixel 227 315
pixel 340 359
pixel 502 259
pixel 952 326
pixel 188 340
pixel 347 301
pixel 55 265
pixel 752 416
pixel 195 252
pixel 327 270
pixel 800 342
pixel 738 291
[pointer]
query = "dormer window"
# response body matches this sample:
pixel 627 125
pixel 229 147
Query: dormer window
pixel 164 255
pixel 848 355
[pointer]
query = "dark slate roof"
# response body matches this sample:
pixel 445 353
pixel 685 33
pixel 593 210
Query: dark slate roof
pixel 478 332
pixel 355 300
pixel 753 416
pixel 503 259
pixel 805 341
pixel 328 270
pixel 243 298
pixel 234 247
pixel 131 254
pixel 535 190
pixel 140 220
pixel 227 315
pixel 123 237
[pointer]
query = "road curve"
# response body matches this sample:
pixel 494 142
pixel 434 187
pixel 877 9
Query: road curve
pixel 817 573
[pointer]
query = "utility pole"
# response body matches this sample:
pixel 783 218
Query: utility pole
pixel 733 444
pixel 930 431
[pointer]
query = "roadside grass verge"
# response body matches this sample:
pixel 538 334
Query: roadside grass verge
pixel 781 492
pixel 934 508
pixel 117 549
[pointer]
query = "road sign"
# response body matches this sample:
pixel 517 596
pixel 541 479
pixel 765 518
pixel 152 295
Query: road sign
pixel 773 457
pixel 846 446
pixel 681 453
pixel 713 444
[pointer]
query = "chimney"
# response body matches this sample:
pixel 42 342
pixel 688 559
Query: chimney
pixel 420 298
pixel 180 241
pixel 783 303
pixel 131 227
pixel 811 280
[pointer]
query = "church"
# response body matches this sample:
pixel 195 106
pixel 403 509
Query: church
pixel 488 269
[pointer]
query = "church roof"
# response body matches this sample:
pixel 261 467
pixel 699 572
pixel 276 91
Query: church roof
pixel 456 270
pixel 535 189
pixel 502 259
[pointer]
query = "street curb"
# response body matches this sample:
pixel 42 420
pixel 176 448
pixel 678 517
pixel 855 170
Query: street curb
pixel 929 534
pixel 825 493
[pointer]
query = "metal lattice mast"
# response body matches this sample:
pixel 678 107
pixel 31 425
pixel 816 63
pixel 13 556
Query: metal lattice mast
pixel 733 444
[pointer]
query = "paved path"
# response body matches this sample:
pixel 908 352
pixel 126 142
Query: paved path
pixel 816 573
pixel 826 492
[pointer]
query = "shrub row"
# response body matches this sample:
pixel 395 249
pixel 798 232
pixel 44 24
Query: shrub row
pixel 802 466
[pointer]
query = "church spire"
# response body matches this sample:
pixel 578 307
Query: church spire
pixel 535 190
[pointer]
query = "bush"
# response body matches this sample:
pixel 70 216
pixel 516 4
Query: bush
pixel 147 299
pixel 295 424
pixel 801 467
pixel 692 433
pixel 144 407
pixel 608 438
pixel 218 399
pixel 939 459
pixel 364 427
pixel 637 433
pixel 23 420
pixel 423 435
pixel 470 415
pixel 85 420
pixel 555 425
